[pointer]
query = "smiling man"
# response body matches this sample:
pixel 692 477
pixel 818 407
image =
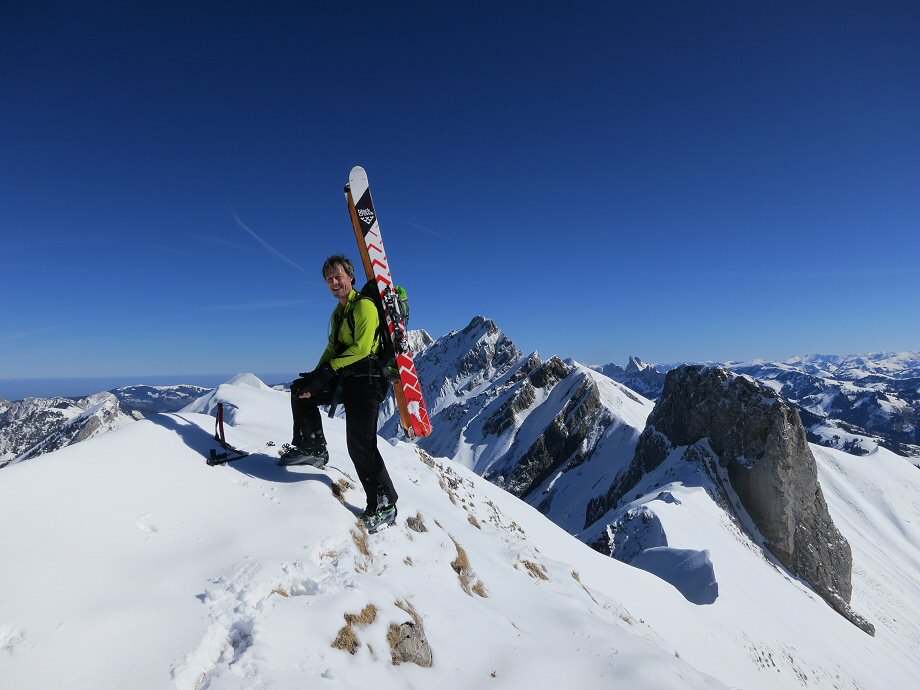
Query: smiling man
pixel 348 370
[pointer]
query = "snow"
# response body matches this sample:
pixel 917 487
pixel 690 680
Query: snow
pixel 690 571
pixel 763 615
pixel 131 563
pixel 128 562
pixel 875 502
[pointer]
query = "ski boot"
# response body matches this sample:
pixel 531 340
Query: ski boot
pixel 311 453
pixel 379 519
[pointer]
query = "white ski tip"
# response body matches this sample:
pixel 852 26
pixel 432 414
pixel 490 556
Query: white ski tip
pixel 357 182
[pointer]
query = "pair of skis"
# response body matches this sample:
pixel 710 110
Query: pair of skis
pixel 408 389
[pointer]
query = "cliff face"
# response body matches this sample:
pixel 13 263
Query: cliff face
pixel 760 442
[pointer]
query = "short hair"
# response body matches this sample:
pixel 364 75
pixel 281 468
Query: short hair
pixel 340 261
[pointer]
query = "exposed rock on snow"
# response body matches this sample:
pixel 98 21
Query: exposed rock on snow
pixel 760 441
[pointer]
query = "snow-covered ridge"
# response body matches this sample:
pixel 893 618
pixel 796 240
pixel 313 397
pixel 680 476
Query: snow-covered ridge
pixel 264 566
pixel 246 575
pixel 545 430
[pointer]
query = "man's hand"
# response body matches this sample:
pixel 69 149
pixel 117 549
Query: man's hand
pixel 312 382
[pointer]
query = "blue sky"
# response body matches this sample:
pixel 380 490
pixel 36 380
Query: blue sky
pixel 678 181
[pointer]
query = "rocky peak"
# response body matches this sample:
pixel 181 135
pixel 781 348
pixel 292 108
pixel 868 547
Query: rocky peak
pixel 637 375
pixel 550 372
pixel 419 340
pixel 761 444
pixel 635 365
pixel 465 360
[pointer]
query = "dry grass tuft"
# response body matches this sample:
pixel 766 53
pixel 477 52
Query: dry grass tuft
pixel 394 637
pixel 410 609
pixel 461 564
pixel 340 487
pixel 367 616
pixel 474 522
pixel 577 578
pixel 424 457
pixel 535 570
pixel 417 523
pixel 346 638
pixel 359 536
pixel 463 568
pixel 283 592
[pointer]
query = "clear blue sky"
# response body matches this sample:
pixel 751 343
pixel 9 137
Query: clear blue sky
pixel 679 181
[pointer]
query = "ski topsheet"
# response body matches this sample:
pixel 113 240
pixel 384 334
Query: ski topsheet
pixel 408 389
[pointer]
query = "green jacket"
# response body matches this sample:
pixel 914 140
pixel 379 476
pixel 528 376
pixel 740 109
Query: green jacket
pixel 349 347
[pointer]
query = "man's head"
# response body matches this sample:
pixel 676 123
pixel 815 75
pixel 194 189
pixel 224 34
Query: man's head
pixel 339 274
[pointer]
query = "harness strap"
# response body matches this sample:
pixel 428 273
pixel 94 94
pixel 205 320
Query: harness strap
pixel 374 371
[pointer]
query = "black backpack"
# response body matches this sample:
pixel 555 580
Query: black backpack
pixel 398 306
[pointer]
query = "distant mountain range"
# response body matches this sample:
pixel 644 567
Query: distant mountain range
pixel 712 489
pixel 504 414
pixel 855 403
pixel 34 426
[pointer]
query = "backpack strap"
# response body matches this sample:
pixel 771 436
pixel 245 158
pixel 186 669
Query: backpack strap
pixel 349 317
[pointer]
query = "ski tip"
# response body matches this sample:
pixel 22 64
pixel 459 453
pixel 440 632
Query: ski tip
pixel 357 178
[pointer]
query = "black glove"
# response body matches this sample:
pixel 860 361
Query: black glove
pixel 313 382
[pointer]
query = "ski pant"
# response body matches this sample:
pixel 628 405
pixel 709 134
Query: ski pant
pixel 361 397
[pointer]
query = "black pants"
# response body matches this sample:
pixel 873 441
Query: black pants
pixel 361 397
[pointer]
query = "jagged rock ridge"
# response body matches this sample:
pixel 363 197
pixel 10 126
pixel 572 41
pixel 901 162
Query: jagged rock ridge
pixel 759 440
pixel 541 429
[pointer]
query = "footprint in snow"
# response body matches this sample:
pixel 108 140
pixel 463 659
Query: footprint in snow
pixel 144 525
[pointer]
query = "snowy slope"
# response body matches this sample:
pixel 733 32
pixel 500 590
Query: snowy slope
pixel 137 565
pixel 753 609
pixel 875 502
pixel 134 564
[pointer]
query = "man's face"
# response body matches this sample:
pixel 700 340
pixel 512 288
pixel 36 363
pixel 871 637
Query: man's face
pixel 338 281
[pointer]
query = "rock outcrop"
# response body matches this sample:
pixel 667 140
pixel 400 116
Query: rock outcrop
pixel 761 444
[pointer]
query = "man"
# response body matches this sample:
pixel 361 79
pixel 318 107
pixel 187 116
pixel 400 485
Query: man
pixel 347 371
